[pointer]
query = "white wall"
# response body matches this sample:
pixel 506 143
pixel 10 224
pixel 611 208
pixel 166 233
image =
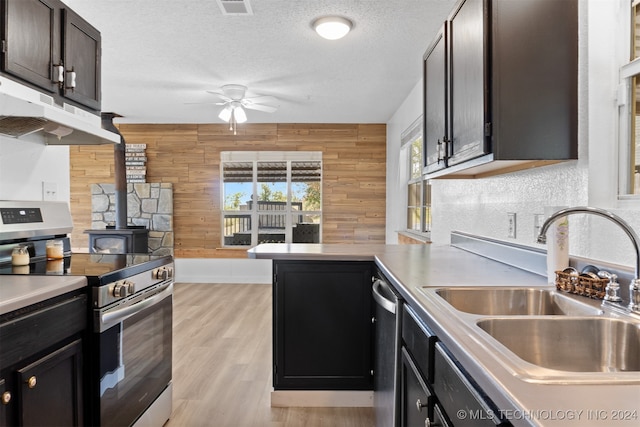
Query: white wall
pixel 219 270
pixel 397 174
pixel 26 163
pixel 480 206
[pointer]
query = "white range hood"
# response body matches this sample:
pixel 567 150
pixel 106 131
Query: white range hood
pixel 24 111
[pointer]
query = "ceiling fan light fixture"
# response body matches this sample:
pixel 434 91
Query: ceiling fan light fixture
pixel 225 114
pixel 239 114
pixel 332 27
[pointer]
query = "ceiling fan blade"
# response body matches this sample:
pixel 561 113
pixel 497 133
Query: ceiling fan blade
pixel 206 103
pixel 260 107
pixel 261 100
pixel 222 96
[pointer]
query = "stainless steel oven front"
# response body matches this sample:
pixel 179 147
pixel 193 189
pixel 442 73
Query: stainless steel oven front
pixel 132 355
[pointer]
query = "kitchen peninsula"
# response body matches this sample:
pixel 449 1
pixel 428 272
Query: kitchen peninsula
pixel 510 398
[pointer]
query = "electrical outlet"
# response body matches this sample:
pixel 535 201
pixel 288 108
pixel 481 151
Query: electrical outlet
pixel 511 226
pixel 49 191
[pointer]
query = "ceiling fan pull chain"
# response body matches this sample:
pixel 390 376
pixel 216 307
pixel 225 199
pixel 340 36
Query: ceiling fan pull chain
pixel 232 121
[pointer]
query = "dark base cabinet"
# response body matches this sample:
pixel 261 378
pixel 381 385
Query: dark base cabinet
pixel 417 400
pixel 322 329
pixel 435 388
pixel 51 389
pixel 42 379
pixel 459 396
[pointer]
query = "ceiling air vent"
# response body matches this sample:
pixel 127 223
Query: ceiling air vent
pixel 235 7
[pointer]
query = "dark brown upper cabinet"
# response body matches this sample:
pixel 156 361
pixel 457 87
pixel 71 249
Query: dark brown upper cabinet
pixel 500 88
pixel 50 47
pixel 435 103
pixel 81 53
pixel 31 41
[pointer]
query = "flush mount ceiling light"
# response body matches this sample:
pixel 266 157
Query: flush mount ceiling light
pixel 332 27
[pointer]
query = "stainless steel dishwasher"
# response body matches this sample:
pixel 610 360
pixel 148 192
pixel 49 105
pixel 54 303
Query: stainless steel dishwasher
pixel 387 317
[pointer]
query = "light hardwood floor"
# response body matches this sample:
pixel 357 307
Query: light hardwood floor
pixel 222 363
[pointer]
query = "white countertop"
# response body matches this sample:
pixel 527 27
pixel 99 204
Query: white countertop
pixel 20 291
pixel 411 267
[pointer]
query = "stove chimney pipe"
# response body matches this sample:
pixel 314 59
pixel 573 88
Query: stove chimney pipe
pixel 120 171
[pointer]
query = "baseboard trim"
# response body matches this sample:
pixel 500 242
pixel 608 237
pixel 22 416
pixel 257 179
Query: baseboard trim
pixel 223 270
pixel 321 398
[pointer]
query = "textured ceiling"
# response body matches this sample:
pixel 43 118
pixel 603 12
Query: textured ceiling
pixel 159 57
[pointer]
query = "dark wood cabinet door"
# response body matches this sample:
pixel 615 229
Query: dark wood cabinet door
pixel 82 53
pixel 51 389
pixel 32 41
pixel 5 399
pixel 469 85
pixel 534 59
pixel 415 399
pixel 436 133
pixel 322 325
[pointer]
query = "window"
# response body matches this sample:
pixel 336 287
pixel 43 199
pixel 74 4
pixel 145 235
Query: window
pixel 418 189
pixel 271 197
pixel 630 73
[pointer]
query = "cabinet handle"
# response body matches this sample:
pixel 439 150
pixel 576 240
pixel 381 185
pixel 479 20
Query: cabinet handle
pixel 6 398
pixel 420 405
pixel 71 79
pixel 58 74
pixel 429 423
pixel 445 142
pixel 32 381
pixel 443 147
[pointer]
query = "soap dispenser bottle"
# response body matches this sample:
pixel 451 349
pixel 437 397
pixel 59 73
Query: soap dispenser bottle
pixel 557 243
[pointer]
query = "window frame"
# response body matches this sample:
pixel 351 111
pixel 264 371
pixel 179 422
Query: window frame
pixel 256 157
pixel 627 71
pixel 414 133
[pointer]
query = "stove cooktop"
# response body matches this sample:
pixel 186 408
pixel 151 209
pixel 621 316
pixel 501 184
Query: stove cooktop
pixel 97 268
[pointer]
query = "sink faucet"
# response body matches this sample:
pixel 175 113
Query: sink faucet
pixel 634 287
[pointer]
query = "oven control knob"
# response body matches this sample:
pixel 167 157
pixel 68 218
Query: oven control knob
pixel 162 273
pixel 121 290
pixel 131 287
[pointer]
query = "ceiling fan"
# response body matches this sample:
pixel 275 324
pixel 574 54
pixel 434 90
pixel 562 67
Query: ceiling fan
pixel 234 101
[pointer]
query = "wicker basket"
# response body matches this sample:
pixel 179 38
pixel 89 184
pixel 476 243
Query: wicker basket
pixel 581 285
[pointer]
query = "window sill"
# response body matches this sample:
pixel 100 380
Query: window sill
pixel 628 202
pixel 415 235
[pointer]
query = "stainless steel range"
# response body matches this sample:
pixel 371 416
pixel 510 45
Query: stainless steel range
pixel 131 298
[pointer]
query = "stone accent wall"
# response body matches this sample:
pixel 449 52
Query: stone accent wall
pixel 149 205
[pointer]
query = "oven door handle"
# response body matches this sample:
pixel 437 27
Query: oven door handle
pixel 120 314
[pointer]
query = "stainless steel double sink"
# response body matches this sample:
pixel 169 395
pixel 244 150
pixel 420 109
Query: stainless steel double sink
pixel 544 335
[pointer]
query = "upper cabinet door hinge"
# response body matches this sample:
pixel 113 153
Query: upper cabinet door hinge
pixel 4 46
pixel 487 129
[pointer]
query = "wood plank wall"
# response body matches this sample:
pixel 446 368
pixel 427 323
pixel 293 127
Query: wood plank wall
pixel 188 155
